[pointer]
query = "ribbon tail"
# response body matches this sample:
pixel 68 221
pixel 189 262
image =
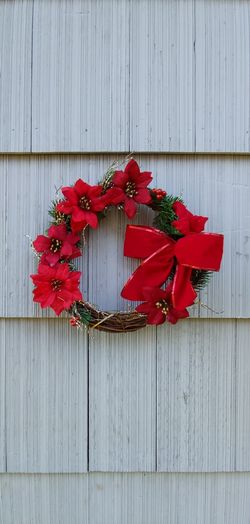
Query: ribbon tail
pixel 143 241
pixel 183 293
pixel 151 273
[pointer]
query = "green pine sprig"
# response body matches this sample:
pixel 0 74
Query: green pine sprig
pixel 81 312
pixel 57 217
pixel 165 214
pixel 200 279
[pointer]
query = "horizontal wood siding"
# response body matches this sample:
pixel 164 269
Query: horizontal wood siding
pixel 46 397
pixel 134 498
pixel 196 396
pixel 2 399
pixel 84 47
pixel 162 76
pixel 116 75
pixel 149 427
pixel 243 395
pixel 154 403
pixel 15 75
pixel 122 402
pixel 217 187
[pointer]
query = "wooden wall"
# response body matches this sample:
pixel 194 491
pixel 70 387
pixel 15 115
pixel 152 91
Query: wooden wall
pixel 150 427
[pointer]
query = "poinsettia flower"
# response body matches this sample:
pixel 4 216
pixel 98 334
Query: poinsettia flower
pixel 186 221
pixel 56 287
pixel 59 244
pixel 158 306
pixel 82 203
pixel 134 184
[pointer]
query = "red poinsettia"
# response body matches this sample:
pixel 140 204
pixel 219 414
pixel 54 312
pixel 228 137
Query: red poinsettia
pixel 56 287
pixel 84 201
pixel 186 221
pixel 158 306
pixel 59 244
pixel 133 184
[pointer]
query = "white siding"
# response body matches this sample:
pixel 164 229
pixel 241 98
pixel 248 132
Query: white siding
pixel 216 187
pixel 15 74
pixel 196 397
pixel 80 75
pixel 162 76
pixel 117 75
pixel 190 75
pixel 101 498
pixel 243 396
pixel 122 402
pixel 2 399
pixel 112 76
pixel 222 109
pixel 46 397
pixel 44 499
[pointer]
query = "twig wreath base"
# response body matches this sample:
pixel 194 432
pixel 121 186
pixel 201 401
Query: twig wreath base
pixel 177 255
pixel 112 322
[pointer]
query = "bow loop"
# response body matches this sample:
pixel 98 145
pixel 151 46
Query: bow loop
pixel 160 252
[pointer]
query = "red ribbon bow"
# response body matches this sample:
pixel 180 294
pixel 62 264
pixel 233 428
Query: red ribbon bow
pixel 194 251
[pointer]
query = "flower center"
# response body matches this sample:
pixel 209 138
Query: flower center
pixel 85 203
pixel 59 217
pixel 55 245
pixel 56 285
pixel 163 305
pixel 130 189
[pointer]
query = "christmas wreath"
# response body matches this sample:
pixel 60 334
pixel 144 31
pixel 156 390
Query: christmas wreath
pixel 177 255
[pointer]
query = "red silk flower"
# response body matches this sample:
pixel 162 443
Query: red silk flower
pixel 159 307
pixel 59 244
pixel 133 184
pixel 56 287
pixel 186 221
pixel 84 201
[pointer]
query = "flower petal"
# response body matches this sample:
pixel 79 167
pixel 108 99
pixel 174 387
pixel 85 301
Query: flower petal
pixel 120 178
pixel 145 307
pixel 144 179
pixel 78 215
pixel 98 204
pixel 81 188
pixel 66 249
pixel 42 243
pixel 62 271
pixel 46 271
pixel 153 294
pixel 73 238
pixel 180 210
pixel 64 207
pixel 174 315
pixel 130 207
pixel 74 275
pixel 197 223
pixel 91 219
pixel 143 196
pixel 94 192
pixel 70 194
pixel 182 225
pixel 156 317
pixel 52 258
pixel 59 305
pixel 75 254
pixel 77 226
pixel 132 168
pixel 114 196
pixel 58 232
